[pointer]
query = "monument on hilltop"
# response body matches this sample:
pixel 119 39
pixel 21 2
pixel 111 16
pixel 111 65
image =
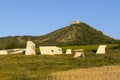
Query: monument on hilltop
pixel 75 22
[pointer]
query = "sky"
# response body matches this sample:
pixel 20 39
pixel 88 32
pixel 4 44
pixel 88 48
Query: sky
pixel 40 17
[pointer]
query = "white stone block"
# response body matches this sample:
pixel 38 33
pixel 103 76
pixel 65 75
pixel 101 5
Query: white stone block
pixel 3 52
pixel 30 48
pixel 79 54
pixel 50 50
pixel 68 51
pixel 16 51
pixel 101 49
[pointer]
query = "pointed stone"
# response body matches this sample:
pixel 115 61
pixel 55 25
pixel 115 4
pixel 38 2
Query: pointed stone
pixel 30 48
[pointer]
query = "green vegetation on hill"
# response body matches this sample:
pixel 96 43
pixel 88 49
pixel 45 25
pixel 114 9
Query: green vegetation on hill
pixel 72 35
pixel 76 34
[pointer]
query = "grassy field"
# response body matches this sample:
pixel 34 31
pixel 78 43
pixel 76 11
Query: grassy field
pixel 40 67
pixel 96 73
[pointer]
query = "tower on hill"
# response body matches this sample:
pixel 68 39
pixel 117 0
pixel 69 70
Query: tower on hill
pixel 75 22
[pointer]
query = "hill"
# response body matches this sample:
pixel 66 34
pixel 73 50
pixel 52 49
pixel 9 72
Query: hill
pixel 74 34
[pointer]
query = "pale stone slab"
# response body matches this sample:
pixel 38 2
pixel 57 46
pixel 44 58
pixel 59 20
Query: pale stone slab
pixel 16 51
pixel 30 48
pixel 3 52
pixel 11 51
pixel 79 53
pixel 101 49
pixel 50 50
pixel 68 51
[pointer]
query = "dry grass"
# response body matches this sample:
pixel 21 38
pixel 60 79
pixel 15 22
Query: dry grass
pixel 97 73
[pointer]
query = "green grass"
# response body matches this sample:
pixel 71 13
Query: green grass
pixel 39 67
pixel 89 47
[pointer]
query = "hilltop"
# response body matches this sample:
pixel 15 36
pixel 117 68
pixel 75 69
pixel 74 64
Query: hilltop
pixel 77 33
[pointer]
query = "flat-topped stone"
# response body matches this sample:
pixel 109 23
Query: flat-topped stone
pixel 50 50
pixel 101 49
pixel 79 53
pixel 68 51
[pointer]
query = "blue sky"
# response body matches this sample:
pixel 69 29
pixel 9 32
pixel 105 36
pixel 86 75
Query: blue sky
pixel 39 17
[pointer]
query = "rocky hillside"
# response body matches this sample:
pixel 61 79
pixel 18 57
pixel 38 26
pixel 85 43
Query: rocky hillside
pixel 76 34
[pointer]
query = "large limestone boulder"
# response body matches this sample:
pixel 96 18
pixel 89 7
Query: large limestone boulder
pixel 101 49
pixel 30 48
pixel 50 50
pixel 3 52
pixel 68 51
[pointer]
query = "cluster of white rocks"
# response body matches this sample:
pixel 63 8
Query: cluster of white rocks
pixel 49 50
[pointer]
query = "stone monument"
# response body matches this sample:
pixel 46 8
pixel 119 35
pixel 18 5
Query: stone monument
pixel 68 51
pixel 101 49
pixel 30 48
pixel 79 53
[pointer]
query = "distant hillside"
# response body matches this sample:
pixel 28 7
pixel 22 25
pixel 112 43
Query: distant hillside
pixel 74 34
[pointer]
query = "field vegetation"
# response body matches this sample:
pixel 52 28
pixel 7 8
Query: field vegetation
pixel 96 73
pixel 42 67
